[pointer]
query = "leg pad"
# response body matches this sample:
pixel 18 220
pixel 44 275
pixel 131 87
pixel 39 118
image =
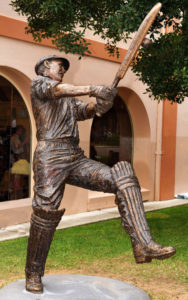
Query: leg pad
pixel 43 226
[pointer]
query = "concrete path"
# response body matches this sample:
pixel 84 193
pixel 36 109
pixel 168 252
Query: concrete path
pixel 21 230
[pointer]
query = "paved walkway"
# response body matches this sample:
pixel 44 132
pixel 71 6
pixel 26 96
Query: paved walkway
pixel 21 230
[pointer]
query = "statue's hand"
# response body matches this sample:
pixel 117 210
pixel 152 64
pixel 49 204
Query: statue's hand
pixel 103 92
pixel 104 97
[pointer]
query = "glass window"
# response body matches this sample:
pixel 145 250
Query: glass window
pixel 111 135
pixel 14 144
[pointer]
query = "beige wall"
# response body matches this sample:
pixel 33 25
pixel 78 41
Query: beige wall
pixel 6 9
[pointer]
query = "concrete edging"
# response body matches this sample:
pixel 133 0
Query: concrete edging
pixel 22 230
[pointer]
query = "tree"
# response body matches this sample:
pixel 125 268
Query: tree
pixel 162 65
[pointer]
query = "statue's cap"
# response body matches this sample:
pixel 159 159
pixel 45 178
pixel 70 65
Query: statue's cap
pixel 65 61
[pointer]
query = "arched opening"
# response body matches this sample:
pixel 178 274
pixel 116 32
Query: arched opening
pixel 111 135
pixel 15 135
pixel 142 146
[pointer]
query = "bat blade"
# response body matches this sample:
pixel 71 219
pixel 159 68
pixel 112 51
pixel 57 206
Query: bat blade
pixel 136 42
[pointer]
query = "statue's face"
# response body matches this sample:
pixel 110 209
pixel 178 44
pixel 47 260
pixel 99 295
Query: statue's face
pixel 55 69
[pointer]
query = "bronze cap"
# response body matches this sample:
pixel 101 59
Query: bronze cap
pixel 65 61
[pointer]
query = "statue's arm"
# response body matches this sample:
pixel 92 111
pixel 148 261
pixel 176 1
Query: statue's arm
pixel 83 110
pixel 68 90
pixel 91 110
pixel 104 95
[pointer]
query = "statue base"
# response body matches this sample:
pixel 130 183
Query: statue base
pixel 75 287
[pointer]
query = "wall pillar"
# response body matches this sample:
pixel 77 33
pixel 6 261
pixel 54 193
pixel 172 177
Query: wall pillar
pixel 168 157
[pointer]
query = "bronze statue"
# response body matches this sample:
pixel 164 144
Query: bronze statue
pixel 59 160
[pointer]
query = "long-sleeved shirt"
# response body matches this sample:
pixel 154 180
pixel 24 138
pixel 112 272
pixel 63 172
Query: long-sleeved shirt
pixel 56 119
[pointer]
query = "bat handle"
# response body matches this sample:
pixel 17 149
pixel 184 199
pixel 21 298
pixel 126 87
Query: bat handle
pixel 115 82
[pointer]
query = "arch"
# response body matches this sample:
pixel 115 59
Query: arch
pixel 141 133
pixel 111 135
pixel 22 84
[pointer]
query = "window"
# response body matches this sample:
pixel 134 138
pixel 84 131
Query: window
pixel 14 144
pixel 111 135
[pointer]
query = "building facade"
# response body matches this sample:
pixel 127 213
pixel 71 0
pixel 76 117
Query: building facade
pixel 151 135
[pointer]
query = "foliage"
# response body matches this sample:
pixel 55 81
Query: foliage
pixel 163 66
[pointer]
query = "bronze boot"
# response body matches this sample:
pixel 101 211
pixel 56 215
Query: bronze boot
pixel 131 209
pixel 43 226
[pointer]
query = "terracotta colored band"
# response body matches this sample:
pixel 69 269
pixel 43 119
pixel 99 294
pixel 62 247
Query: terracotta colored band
pixel 15 29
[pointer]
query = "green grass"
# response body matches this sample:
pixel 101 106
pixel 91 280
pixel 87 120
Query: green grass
pixel 104 249
pixel 108 239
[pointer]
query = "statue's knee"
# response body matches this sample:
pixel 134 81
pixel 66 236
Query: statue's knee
pixel 123 167
pixel 123 175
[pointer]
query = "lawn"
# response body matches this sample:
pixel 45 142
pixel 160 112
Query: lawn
pixel 103 249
